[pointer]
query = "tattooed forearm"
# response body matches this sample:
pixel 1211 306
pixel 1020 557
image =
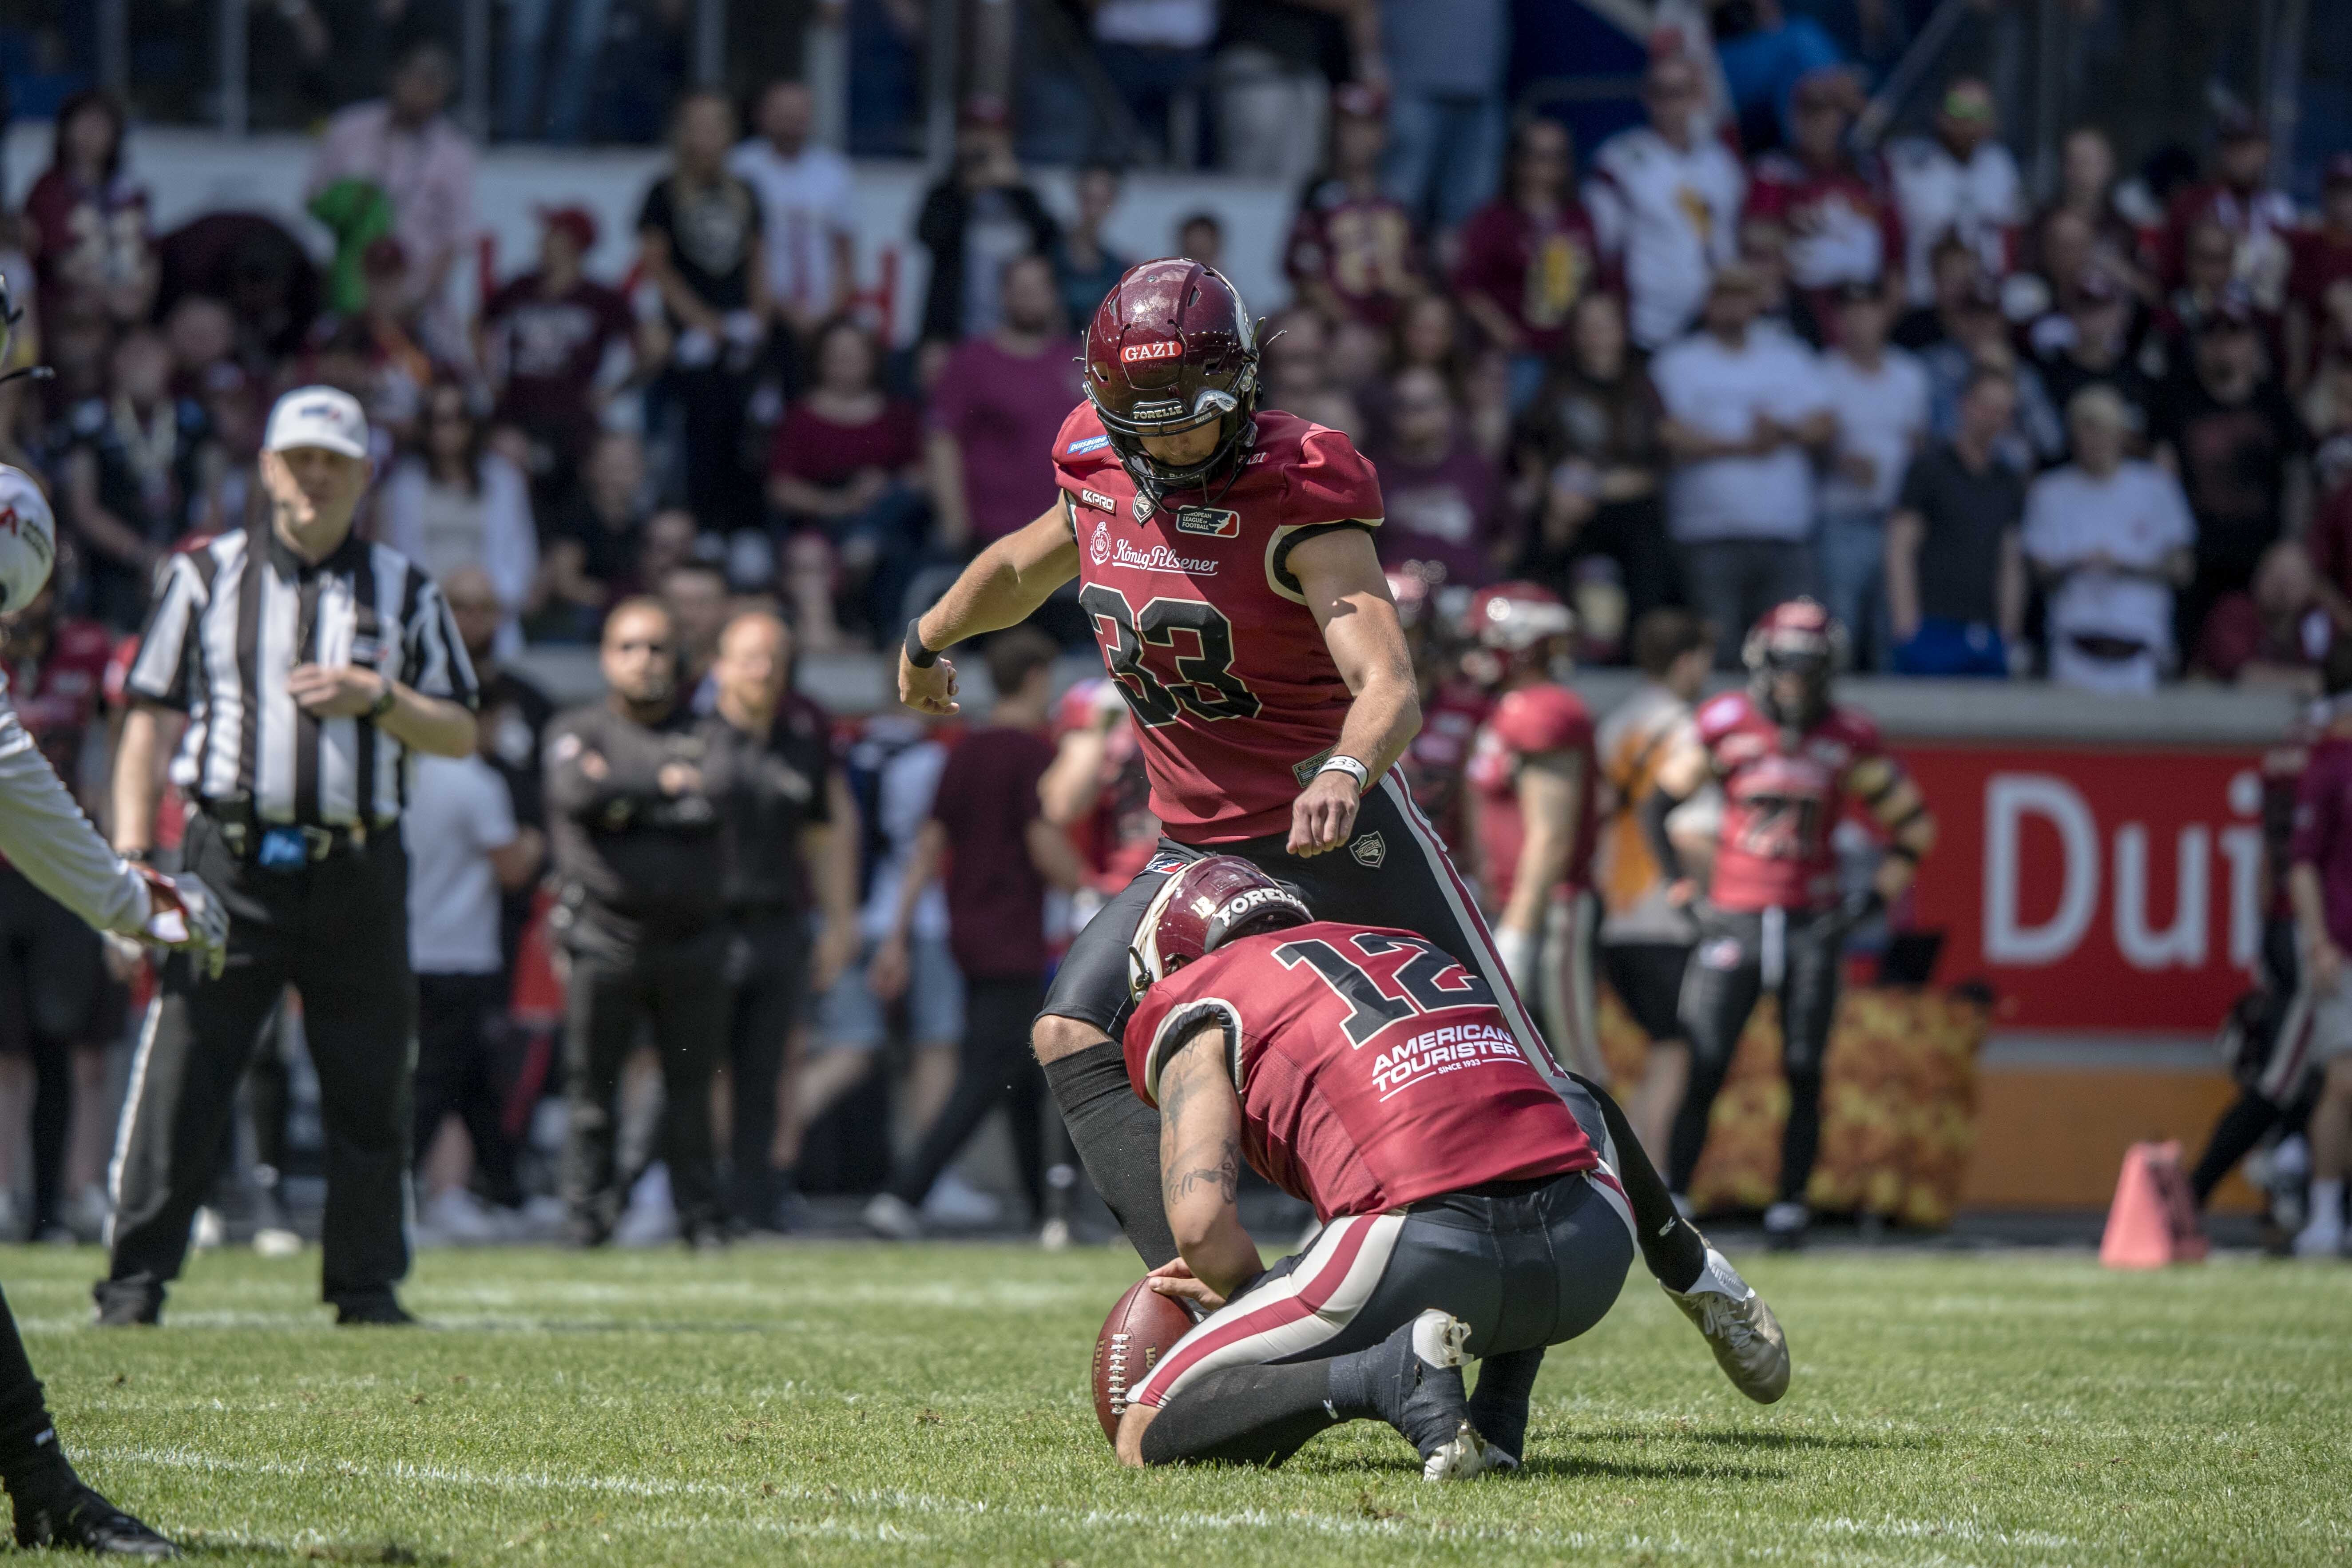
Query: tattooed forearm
pixel 1224 1174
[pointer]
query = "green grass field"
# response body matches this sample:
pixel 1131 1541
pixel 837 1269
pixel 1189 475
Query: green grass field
pixel 825 1404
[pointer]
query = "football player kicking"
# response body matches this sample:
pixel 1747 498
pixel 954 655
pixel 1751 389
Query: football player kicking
pixel 1467 1210
pixel 45 835
pixel 1225 560
pixel 1790 761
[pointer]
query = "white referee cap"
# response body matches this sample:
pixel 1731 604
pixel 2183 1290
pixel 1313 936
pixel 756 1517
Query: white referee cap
pixel 28 539
pixel 318 417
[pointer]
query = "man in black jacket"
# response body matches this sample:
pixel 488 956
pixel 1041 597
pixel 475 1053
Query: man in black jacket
pixel 640 860
pixel 981 215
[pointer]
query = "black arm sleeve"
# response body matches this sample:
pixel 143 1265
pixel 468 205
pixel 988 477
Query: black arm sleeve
pixel 1655 807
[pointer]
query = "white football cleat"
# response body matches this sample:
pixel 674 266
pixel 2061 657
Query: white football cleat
pixel 893 1218
pixel 2323 1237
pixel 1746 1336
pixel 1461 1458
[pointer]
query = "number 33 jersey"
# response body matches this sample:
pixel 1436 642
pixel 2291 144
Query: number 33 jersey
pixel 1374 1071
pixel 1203 627
pixel 1783 794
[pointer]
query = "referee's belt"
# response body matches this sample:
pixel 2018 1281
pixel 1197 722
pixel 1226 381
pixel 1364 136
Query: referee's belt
pixel 246 834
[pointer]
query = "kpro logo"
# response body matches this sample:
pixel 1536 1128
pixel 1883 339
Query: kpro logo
pixel 1169 349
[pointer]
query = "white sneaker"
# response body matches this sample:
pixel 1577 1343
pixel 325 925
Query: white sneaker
pixel 87 1213
pixel 1785 1225
pixel 1056 1236
pixel 461 1219
pixel 2323 1237
pixel 1746 1336
pixel 208 1232
pixel 540 1218
pixel 893 1218
pixel 651 1219
pixel 952 1201
pixel 277 1241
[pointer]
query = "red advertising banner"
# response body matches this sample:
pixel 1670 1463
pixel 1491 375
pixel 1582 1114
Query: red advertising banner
pixel 2109 889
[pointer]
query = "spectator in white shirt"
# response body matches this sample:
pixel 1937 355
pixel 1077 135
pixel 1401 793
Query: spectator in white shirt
pixel 1880 397
pixel 464 852
pixel 2110 539
pixel 1743 404
pixel 404 144
pixel 807 212
pixel 1665 202
pixel 1962 181
pixel 456 504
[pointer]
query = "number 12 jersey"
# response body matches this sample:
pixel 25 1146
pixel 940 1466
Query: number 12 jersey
pixel 1202 627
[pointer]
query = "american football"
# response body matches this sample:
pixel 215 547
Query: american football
pixel 1142 1327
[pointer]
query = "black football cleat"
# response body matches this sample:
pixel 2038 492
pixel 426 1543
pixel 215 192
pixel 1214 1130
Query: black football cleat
pixel 371 1312
pixel 78 1519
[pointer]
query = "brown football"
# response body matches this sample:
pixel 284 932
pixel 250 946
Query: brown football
pixel 1142 1329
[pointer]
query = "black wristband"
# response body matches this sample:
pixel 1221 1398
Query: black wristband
pixel 137 856
pixel 917 654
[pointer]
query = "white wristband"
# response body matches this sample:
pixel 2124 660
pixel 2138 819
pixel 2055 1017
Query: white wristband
pixel 1349 766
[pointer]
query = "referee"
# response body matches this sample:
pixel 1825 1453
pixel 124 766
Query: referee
pixel 310 664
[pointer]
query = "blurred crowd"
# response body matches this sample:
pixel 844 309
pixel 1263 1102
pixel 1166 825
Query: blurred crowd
pixel 1728 356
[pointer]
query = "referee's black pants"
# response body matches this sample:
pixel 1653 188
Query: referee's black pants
pixel 678 986
pixel 336 929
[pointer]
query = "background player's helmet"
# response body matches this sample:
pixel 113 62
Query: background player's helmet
pixel 28 540
pixel 1509 626
pixel 1799 637
pixel 1199 909
pixel 1171 349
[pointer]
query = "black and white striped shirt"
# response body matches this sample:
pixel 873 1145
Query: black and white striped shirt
pixel 233 618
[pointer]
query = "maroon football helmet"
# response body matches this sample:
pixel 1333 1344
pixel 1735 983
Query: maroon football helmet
pixel 1202 906
pixel 1171 349
pixel 1799 638
pixel 1508 624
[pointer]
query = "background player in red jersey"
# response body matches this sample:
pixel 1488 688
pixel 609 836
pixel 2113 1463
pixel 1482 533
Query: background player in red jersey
pixel 1225 562
pixel 1098 793
pixel 1533 797
pixel 57 1006
pixel 1465 1210
pixel 1790 762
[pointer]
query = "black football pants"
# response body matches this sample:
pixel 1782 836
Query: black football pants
pixel 680 987
pixel 337 930
pixel 1738 957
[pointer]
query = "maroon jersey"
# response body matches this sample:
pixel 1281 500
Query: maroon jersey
pixel 1118 837
pixel 1374 1071
pixel 1533 270
pixel 1526 723
pixel 1842 229
pixel 57 696
pixel 2322 833
pixel 1782 794
pixel 1232 726
pixel 550 349
pixel 1360 246
pixel 1439 754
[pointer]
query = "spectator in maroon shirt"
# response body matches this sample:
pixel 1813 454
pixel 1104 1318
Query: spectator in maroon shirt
pixel 848 463
pixel 2275 634
pixel 1001 401
pixel 2316 329
pixel 92 240
pixel 1529 256
pixel 1445 497
pixel 1841 227
pixel 1352 252
pixel 2319 882
pixel 988 833
pixel 553 342
pixel 2238 195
